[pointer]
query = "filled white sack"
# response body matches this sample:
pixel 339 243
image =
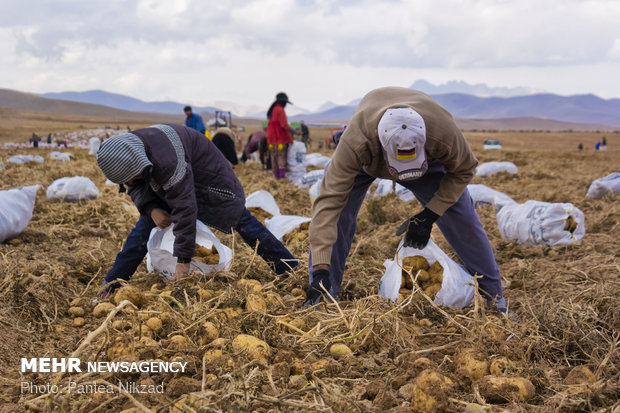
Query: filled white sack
pixel 311 177
pixel 264 200
pixel 315 189
pixel 25 159
pixel 94 143
pixel 384 187
pixel 609 184
pixel 490 168
pixel 160 247
pixel 541 223
pixel 295 161
pixel 16 206
pixel 456 288
pixel 483 195
pixel 60 156
pixel 404 193
pixel 280 225
pixel 74 188
pixel 316 159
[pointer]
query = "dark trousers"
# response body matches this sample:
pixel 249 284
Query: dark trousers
pixel 250 229
pixel 460 225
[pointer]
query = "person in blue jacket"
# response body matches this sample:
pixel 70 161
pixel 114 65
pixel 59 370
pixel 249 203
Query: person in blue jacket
pixel 194 121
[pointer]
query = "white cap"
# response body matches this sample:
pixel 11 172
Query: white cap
pixel 402 133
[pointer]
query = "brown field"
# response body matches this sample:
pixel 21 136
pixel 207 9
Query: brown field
pixel 566 299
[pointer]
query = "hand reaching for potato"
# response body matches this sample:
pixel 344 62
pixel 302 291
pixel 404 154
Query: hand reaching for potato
pixel 161 218
pixel 181 272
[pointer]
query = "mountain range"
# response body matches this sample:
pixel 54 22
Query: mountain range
pixel 480 102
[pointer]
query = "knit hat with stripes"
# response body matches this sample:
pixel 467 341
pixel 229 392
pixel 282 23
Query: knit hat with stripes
pixel 122 158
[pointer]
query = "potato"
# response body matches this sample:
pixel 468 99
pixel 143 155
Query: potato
pixel 499 366
pixel 432 290
pixel 255 348
pixel 255 302
pixel 178 342
pixel 430 391
pixel 155 324
pixel 249 285
pixel 102 309
pixel 469 364
pixel 505 389
pixel 76 311
pixel 230 312
pixel 415 263
pixel 436 272
pixel 121 325
pixel 297 235
pixel 133 294
pixel 339 350
pixel 211 355
pixel 425 322
pixel 298 292
pixel 208 332
pixel 474 408
pixel 205 255
pixel 423 276
pixel 260 214
pixel 204 294
pixel 273 300
pixel 580 375
pixel 78 321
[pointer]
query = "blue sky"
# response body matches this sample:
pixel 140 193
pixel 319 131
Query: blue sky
pixel 315 50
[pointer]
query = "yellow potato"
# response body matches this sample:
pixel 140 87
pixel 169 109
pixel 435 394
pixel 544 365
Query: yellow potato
pixel 178 342
pixel 78 321
pixel 436 272
pixel 255 302
pixel 580 375
pixel 415 263
pixel 155 324
pixel 102 309
pixel 249 285
pixel 499 366
pixel 255 348
pixel 339 350
pixel 76 311
pixel 133 294
pixel 431 391
pixel 432 290
pixel 208 332
pixel 505 389
pixel 205 255
pixel 468 364
pixel 260 214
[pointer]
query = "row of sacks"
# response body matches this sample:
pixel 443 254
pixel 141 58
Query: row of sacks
pixel 16 205
pixel 262 205
pixel 54 155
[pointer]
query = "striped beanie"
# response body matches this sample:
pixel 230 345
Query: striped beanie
pixel 122 158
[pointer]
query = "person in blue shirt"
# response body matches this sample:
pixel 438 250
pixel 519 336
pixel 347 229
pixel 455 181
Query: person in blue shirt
pixel 194 121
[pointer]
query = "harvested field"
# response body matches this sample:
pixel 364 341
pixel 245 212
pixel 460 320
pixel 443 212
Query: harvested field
pixel 249 343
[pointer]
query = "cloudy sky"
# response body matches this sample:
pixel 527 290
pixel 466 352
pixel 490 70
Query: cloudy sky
pixel 316 50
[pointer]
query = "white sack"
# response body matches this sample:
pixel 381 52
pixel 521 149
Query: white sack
pixel 456 289
pixel 483 195
pixel 490 168
pixel 280 225
pixel 315 189
pixel 311 177
pixel 609 184
pixel 316 159
pixel 108 182
pixel 25 159
pixel 404 193
pixel 95 143
pixel 540 223
pixel 384 187
pixel 60 156
pixel 16 207
pixel 75 188
pixel 264 200
pixel 160 247
pixel 295 166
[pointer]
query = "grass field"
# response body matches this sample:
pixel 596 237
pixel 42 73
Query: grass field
pixel 566 299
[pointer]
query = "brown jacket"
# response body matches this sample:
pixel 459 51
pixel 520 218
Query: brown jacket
pixel 360 148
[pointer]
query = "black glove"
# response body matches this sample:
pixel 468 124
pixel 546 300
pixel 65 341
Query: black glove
pixel 314 293
pixel 418 229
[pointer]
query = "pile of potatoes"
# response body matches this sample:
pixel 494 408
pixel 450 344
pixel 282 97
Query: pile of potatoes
pixel 429 277
pixel 206 255
pixel 260 214
pixel 297 235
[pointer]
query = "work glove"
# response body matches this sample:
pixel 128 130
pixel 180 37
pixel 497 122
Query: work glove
pixel 418 229
pixel 314 292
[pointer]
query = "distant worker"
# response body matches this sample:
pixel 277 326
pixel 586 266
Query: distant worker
pixel 597 146
pixel 49 138
pixel 305 133
pixel 402 135
pixel 278 135
pixel 35 140
pixel 256 142
pixel 224 140
pixel 580 147
pixel 603 144
pixel 194 121
pixel 176 176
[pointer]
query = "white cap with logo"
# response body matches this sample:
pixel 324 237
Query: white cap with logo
pixel 402 133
